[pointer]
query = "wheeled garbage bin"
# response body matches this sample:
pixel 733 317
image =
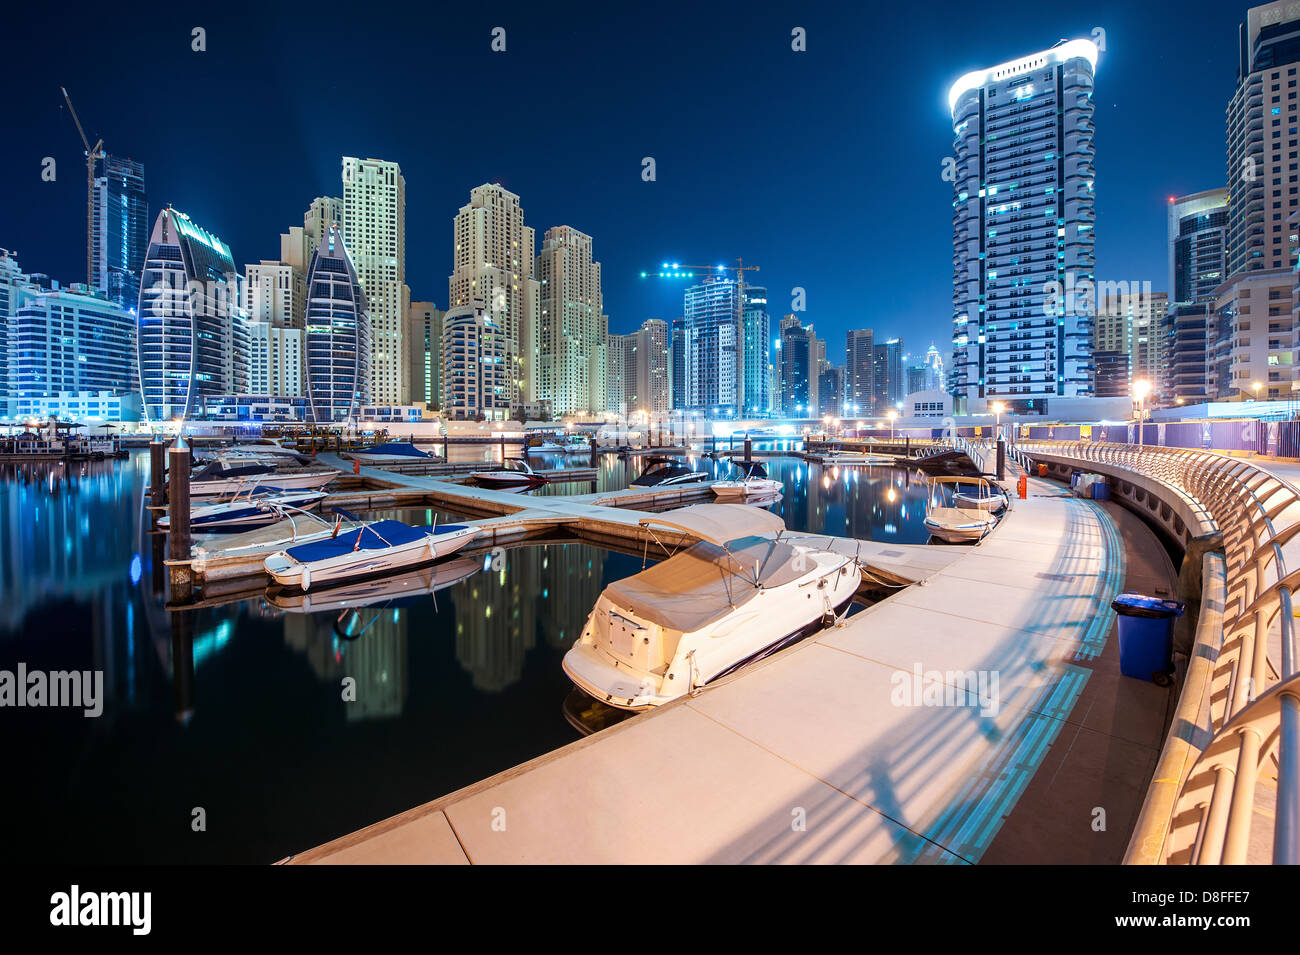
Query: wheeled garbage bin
pixel 1146 636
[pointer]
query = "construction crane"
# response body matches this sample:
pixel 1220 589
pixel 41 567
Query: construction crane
pixel 92 154
pixel 675 270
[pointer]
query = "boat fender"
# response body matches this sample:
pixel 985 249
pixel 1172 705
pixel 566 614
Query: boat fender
pixel 306 578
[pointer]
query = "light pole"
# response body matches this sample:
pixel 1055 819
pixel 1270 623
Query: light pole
pixel 1141 389
pixel 893 415
pixel 998 408
pixel 1256 386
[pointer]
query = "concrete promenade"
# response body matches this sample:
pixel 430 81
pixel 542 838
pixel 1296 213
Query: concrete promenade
pixel 974 716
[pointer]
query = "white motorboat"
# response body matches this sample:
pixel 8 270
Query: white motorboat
pixel 373 548
pixel 736 596
pixel 981 497
pixel 849 459
pixel 253 507
pixel 544 447
pixel 266 449
pixel 754 483
pixel 948 520
pixel 391 591
pixel 226 477
pixel 394 452
pixel 662 471
pixel 513 474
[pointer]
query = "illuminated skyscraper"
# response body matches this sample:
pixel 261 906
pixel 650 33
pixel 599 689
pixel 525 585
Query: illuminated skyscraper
pixel 338 333
pixel 571 331
pixel 120 217
pixel 1023 229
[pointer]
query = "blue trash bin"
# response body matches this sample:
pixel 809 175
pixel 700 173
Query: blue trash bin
pixel 1100 490
pixel 1146 636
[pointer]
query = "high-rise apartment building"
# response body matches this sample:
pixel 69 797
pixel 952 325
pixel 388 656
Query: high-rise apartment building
pixel 374 231
pixel 1023 214
pixel 1252 337
pixel 275 360
pixel 798 369
pixel 424 352
pixel 274 292
pixel 475 379
pixel 756 351
pixel 639 370
pixel 120 224
pixel 67 341
pixel 860 371
pixel 571 328
pixel 323 212
pixel 889 383
pixel 191 336
pixel 338 335
pixel 714 385
pixel 493 262
pixel 677 364
pixel 1197 231
pixel 1130 322
pixel 1263 118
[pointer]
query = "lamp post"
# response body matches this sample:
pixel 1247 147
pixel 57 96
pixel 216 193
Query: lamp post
pixel 998 408
pixel 893 416
pixel 1256 386
pixel 1141 389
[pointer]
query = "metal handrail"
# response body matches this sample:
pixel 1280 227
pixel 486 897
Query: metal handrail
pixel 1253 702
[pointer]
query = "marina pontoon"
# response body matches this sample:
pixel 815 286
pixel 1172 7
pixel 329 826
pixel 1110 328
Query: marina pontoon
pixel 253 507
pixel 848 459
pixel 736 596
pixel 661 471
pixel 374 548
pixel 947 519
pixel 753 483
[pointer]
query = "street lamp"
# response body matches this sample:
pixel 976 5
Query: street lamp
pixel 892 415
pixel 1141 389
pixel 998 408
pixel 1256 385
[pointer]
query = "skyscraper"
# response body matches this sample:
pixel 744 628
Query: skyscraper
pixel 68 341
pixel 1023 229
pixel 121 230
pixel 889 383
pixel 860 371
pixel 756 355
pixel 374 230
pixel 713 379
pixel 571 333
pixel 1263 116
pixel 493 263
pixel 797 369
pixel 323 212
pixel 677 364
pixel 192 340
pixel 338 335
pixel 1197 266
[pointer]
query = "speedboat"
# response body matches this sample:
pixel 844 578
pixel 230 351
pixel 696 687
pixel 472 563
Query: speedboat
pixel 737 595
pixel 373 548
pixel 266 448
pixel 850 459
pixel 982 496
pixel 228 476
pixel 391 591
pixel 544 447
pixel 253 507
pixel 948 520
pixel 514 474
pixel 394 452
pixel 663 471
pixel 754 483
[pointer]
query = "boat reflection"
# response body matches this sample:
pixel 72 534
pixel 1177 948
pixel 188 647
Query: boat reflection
pixel 402 590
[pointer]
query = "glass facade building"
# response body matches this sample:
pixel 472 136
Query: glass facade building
pixel 713 361
pixel 338 335
pixel 756 336
pixel 121 230
pixel 192 340
pixel 71 340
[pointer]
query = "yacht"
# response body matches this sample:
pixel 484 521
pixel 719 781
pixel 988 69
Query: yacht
pixel 228 475
pixel 661 471
pixel 513 474
pixel 394 452
pixel 947 519
pixel 753 483
pixel 740 593
pixel 372 548
pixel 253 507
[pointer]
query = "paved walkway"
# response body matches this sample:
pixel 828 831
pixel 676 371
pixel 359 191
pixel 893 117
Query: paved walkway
pixel 873 742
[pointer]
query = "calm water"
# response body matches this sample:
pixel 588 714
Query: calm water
pixel 238 709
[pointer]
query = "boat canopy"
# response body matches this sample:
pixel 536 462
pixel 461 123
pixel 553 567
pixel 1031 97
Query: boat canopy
pixel 718 523
pixel 376 536
pixel 705 582
pixel 398 448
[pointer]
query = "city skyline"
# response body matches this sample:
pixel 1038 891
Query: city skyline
pixel 697 209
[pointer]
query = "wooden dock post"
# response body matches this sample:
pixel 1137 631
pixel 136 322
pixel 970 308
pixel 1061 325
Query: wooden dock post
pixel 446 456
pixel 157 475
pixel 178 516
pixel 1002 459
pixel 593 450
pixel 503 445
pixel 749 449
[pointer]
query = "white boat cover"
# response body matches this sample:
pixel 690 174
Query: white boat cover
pixel 718 523
pixel 705 582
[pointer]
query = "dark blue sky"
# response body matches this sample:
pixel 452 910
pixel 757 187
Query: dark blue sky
pixel 823 167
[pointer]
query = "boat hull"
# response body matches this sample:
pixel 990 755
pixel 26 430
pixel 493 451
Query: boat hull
pixel 294 574
pixel 308 480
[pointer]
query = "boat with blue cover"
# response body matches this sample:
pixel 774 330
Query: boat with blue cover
pixel 373 548
pixel 392 452
pixel 256 506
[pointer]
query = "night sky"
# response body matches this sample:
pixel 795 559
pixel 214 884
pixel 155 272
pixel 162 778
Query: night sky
pixel 822 167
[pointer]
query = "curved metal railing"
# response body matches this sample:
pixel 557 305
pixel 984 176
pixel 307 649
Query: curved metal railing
pixel 1253 699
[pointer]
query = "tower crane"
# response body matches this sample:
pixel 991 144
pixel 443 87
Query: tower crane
pixel 675 270
pixel 92 154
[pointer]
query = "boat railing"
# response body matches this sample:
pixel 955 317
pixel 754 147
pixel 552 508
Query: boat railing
pixel 1239 712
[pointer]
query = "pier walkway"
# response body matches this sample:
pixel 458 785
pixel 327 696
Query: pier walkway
pixel 977 715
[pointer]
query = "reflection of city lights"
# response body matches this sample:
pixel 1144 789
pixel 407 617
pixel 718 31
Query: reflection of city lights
pixel 891 496
pixel 826 481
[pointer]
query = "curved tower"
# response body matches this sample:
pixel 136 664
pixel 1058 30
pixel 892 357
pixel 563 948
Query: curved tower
pixel 338 333
pixel 188 340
